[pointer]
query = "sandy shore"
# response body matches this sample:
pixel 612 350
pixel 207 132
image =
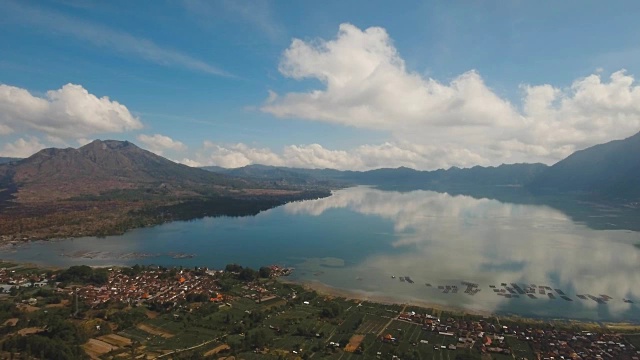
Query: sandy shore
pixel 327 290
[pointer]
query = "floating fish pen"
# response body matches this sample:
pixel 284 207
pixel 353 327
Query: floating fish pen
pixel 605 297
pixel 627 301
pixel 440 287
pixel 517 288
pixel 531 296
pixel 582 297
pixel 471 291
pixel 496 290
pixel 409 280
pixel 596 299
pixel 566 298
pixel 455 290
pixel 446 290
pixel 503 284
pixel 469 284
pixel 508 296
pixel 402 278
pixel 541 292
pixel 492 286
pixel 560 292
pixel 428 285
pixel 551 296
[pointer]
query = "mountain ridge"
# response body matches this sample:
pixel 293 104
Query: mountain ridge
pixel 609 169
pixel 108 187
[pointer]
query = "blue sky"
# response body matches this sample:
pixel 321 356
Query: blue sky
pixel 348 85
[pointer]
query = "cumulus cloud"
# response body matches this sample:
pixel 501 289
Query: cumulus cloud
pixel 68 112
pixel 316 156
pixel 159 143
pixel 22 147
pixel 366 84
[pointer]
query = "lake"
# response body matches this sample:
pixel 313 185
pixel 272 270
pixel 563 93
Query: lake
pixel 364 239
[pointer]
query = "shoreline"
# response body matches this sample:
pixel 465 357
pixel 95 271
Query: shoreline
pixel 327 290
pixel 360 295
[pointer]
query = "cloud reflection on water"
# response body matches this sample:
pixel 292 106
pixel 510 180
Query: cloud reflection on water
pixel 459 237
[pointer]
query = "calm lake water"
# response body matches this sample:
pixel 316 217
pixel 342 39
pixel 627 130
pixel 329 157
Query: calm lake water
pixel 360 237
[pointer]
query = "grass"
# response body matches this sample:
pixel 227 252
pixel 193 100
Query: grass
pixel 520 349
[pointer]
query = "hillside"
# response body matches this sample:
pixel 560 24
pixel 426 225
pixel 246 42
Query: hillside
pixel 503 175
pixel 611 169
pixel 108 187
pixel 103 166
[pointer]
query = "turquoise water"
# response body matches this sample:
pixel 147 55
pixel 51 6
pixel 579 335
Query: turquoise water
pixel 360 237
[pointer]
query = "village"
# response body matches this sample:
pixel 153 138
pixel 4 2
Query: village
pixel 156 312
pixel 547 343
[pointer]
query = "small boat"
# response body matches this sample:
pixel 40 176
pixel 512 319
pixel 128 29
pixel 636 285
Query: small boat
pixel 393 276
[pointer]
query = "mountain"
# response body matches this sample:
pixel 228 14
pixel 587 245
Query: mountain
pixel 277 175
pixel 108 187
pixel 402 177
pixel 103 166
pixel 611 169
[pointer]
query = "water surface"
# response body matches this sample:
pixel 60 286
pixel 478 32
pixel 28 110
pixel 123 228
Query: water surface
pixel 359 238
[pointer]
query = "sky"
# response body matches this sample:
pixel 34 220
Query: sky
pixel 321 84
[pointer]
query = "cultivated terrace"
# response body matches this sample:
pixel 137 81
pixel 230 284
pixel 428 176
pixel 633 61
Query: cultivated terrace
pixel 154 312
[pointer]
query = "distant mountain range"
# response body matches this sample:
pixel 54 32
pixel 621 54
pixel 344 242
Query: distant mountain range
pixel 611 169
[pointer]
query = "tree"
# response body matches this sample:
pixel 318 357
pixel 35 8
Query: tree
pixel 265 272
pixel 247 274
pixel 233 268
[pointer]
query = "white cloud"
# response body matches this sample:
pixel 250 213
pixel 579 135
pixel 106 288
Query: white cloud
pixel 68 112
pixel 22 147
pixel 83 141
pixel 364 157
pixel 5 130
pixel 102 36
pixel 159 143
pixel 237 155
pixel 189 162
pixel 366 84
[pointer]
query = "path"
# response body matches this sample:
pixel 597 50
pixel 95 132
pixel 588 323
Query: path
pixel 390 321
